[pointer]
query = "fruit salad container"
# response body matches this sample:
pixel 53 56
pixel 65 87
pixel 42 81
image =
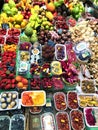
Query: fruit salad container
pixel 35 123
pixel 47 84
pixel 60 52
pixel 8 100
pixel 77 120
pixel 12 40
pixel 47 121
pixel 60 102
pixel 2 40
pixel 72 100
pixel 18 122
pixel 35 84
pixel 56 68
pixel 36 53
pixel 33 98
pixel 23 68
pixel 4 123
pixel 24 56
pixel 88 86
pixel 25 46
pixel 62 121
pixel 57 83
pixel 35 110
pixel 35 70
pixel 91 118
pixel 3 32
pixel 88 100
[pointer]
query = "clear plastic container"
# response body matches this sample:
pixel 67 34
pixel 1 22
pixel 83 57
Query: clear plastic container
pixel 35 110
pixel 56 68
pixel 62 121
pixel 2 40
pixel 88 86
pixel 3 32
pixel 12 40
pixel 33 98
pixel 94 113
pixel 24 56
pixel 72 100
pixel 8 100
pixel 77 120
pixel 35 122
pixel 88 100
pixel 25 46
pixel 60 101
pixel 4 123
pixel 47 121
pixel 18 122
pixel 14 32
pixel 60 52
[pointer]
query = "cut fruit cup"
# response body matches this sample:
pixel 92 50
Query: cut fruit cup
pixel 77 120
pixel 8 100
pixel 72 100
pixel 91 117
pixel 14 32
pixel 24 56
pixel 60 101
pixel 88 86
pixel 35 110
pixel 47 121
pixel 4 122
pixel 62 121
pixel 33 98
pixel 88 100
pixel 18 122
pixel 25 46
pixel 60 52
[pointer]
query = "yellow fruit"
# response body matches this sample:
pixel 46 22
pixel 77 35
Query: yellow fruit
pixel 19 18
pixel 49 15
pixel 11 19
pixel 17 26
pixel 23 24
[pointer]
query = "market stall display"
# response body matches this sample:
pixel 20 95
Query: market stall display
pixel 49 65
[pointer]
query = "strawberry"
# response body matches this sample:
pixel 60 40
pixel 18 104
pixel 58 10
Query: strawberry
pixel 8 86
pixel 11 75
pixel 13 86
pixel 13 81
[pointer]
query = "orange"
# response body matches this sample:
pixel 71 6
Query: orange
pixel 18 78
pixel 20 85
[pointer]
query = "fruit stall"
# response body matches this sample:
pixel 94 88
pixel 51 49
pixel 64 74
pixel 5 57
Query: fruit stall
pixel 49 65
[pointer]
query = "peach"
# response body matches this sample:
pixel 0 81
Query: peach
pixel 20 85
pixel 24 81
pixel 18 78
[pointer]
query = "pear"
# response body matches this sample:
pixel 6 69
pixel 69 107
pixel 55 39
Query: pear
pixel 6 7
pixel 11 3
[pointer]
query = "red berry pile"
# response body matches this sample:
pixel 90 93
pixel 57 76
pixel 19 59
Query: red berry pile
pixel 12 40
pixel 7 70
pixel 2 40
pixel 13 32
pixel 3 31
